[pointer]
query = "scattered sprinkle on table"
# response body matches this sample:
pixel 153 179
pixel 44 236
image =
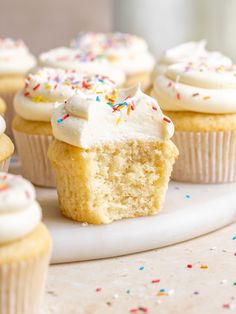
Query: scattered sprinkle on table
pixel 98 289
pixel 187 196
pixel 155 281
pixel 204 266
pixel 234 237
pixel 141 268
pixel 189 265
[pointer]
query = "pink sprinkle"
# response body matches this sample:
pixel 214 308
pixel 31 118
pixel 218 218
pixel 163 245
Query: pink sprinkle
pixel 178 96
pixel 155 281
pixel 98 289
pixel 169 84
pixel 27 194
pixel 154 108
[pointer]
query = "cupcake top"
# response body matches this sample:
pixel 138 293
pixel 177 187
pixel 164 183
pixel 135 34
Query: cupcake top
pixel 197 87
pixel 86 62
pixel 48 87
pixel 126 51
pixel 19 211
pixel 190 52
pixel 120 115
pixel 2 125
pixel 15 57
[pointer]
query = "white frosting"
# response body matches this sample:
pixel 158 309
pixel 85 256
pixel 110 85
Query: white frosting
pixel 126 114
pixel 15 57
pixel 190 52
pixel 48 87
pixel 19 212
pixel 197 87
pixel 125 51
pixel 2 125
pixel 86 62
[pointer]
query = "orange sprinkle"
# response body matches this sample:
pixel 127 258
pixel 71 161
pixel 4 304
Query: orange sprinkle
pixel 206 97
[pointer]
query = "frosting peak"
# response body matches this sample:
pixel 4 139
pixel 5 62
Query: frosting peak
pixel 48 87
pixel 191 52
pixel 197 87
pixel 125 51
pixel 83 61
pixel 120 115
pixel 19 211
pixel 15 57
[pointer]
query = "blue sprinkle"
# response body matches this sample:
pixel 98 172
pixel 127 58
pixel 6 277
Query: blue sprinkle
pixel 162 290
pixel 141 268
pixel 101 81
pixel 59 120
pixel 234 237
pixel 97 98
pixel 187 196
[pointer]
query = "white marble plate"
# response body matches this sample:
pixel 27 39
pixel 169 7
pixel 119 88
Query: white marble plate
pixel 190 211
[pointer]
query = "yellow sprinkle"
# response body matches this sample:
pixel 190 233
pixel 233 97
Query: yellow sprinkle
pixel 118 120
pixel 161 293
pixel 128 110
pixel 67 83
pixel 206 97
pixel 204 266
pixel 234 75
pixel 48 86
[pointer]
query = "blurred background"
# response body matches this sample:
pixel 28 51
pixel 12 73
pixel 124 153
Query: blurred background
pixel 47 24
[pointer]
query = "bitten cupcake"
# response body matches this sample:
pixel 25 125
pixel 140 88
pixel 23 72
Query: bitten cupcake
pixel 200 100
pixel 190 52
pixel 34 106
pixel 25 247
pixel 6 147
pixel 112 156
pixel 15 61
pixel 85 62
pixel 125 51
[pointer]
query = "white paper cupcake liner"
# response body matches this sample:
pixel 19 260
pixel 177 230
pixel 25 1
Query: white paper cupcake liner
pixel 22 285
pixel 9 115
pixel 35 165
pixel 4 165
pixel 205 157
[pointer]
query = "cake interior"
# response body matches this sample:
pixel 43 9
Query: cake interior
pixel 112 181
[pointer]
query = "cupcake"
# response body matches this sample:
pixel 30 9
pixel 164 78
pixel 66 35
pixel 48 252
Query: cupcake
pixel 190 52
pixel 34 106
pixel 6 147
pixel 25 247
pixel 124 51
pixel 112 157
pixel 15 61
pixel 86 62
pixel 200 100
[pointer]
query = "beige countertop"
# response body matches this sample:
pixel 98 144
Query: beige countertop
pixel 124 284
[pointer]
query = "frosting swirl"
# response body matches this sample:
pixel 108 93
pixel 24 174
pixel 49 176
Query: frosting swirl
pixel 2 125
pixel 48 87
pixel 127 52
pixel 19 211
pixel 197 87
pixel 15 57
pixel 86 62
pixel 121 115
pixel 190 52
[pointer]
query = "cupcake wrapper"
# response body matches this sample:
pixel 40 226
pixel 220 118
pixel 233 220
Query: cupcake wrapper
pixel 205 157
pixel 35 165
pixel 4 165
pixel 22 285
pixel 9 115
